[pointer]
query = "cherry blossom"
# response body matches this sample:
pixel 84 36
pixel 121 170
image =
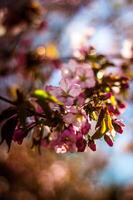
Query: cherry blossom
pixel 82 74
pixel 85 76
pixel 67 140
pixel 66 93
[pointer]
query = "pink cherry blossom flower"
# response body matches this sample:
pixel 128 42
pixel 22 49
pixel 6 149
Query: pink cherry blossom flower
pixel 70 88
pixel 80 99
pixel 68 70
pixel 82 74
pixel 78 118
pixel 63 142
pixel 68 135
pixel 66 139
pixel 66 93
pixel 85 76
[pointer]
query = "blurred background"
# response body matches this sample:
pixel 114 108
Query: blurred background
pixel 107 25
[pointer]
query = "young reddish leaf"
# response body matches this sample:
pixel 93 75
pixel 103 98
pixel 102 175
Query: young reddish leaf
pixel 105 96
pixel 121 104
pixel 97 134
pixel 100 118
pixel 20 134
pixel 81 144
pixel 7 130
pixel 45 107
pixel 22 114
pixel 92 145
pixel 108 140
pixel 118 126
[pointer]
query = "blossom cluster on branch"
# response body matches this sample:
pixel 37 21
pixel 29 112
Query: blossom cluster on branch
pixel 71 117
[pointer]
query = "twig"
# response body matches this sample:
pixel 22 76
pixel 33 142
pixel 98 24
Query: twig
pixel 7 100
pixel 14 103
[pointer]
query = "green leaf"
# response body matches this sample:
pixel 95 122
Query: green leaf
pixel 43 95
pixel 55 100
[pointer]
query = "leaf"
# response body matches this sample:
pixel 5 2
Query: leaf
pixel 30 109
pixel 24 109
pixel 94 115
pixel 108 140
pixel 113 100
pixel 107 64
pixel 109 122
pixel 9 112
pixel 37 137
pixel 45 107
pixel 40 94
pixel 55 100
pixel 118 126
pixel 7 130
pixel 100 118
pixel 103 126
pixel 22 114
pixel 43 95
pixel 92 145
pixel 97 134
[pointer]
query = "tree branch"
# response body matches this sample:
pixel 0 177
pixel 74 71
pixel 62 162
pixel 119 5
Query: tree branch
pixel 7 100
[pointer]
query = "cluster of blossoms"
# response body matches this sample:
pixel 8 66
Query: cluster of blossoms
pixel 71 117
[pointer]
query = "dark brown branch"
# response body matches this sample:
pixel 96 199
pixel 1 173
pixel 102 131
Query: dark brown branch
pixel 7 100
pixel 31 111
